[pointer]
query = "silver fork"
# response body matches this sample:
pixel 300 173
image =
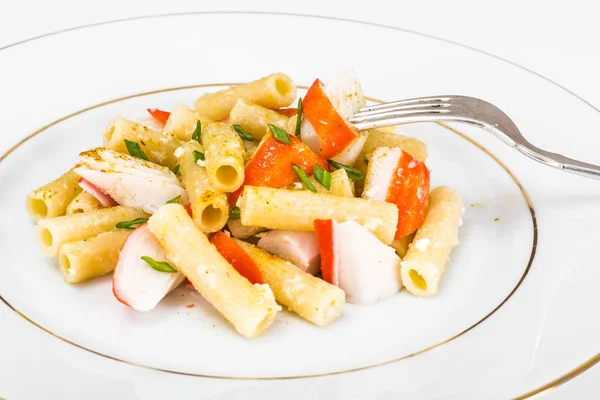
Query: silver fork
pixel 471 111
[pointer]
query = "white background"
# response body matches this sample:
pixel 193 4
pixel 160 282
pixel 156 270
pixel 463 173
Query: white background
pixel 557 40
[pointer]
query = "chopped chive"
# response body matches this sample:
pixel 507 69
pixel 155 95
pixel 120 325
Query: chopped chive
pixel 176 169
pixel 197 132
pixel 135 150
pixel 243 134
pixel 304 178
pixel 322 176
pixel 174 200
pixel 299 117
pixel 131 224
pixel 235 213
pixel 279 134
pixel 198 156
pixel 160 266
pixel 352 173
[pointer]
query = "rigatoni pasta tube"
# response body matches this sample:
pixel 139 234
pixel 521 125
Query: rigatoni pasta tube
pixel 273 91
pixel 312 298
pixel 182 123
pixel 341 184
pixel 296 210
pixel 159 148
pixel 210 209
pixel 249 308
pixel 429 251
pixel 52 199
pixel 255 119
pixel 88 258
pixel 224 153
pixel 55 232
pixel 83 202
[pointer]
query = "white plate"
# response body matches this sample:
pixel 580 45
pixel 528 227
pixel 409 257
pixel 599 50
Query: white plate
pixel 514 309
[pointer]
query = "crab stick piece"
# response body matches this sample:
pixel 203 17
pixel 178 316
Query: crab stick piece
pixel 99 195
pixel 271 164
pixel 237 257
pixel 299 248
pixel 395 176
pixel 356 261
pixel 159 115
pixel 135 282
pixel 130 181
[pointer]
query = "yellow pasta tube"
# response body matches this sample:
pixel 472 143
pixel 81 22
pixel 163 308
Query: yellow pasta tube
pixel 224 153
pixel 159 148
pixel 429 252
pixel 88 258
pixel 52 199
pixel 55 232
pixel 341 184
pixel 240 231
pixel 209 207
pixel 83 202
pixel 312 298
pixel 182 123
pixel 385 138
pixel 249 308
pixel 296 210
pixel 255 119
pixel 273 91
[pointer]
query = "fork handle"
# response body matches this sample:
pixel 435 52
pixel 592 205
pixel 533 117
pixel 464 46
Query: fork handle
pixel 559 161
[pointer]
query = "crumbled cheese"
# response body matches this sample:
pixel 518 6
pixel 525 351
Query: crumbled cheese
pixel 293 285
pixel 227 233
pixel 298 185
pixel 201 163
pixel 179 152
pixel 422 244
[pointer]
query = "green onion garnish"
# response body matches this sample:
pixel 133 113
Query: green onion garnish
pixel 131 224
pixel 299 117
pixel 176 169
pixel 235 213
pixel 243 134
pixel 322 176
pixel 197 131
pixel 198 156
pixel 304 178
pixel 160 266
pixel 352 173
pixel 279 134
pixel 174 200
pixel 135 150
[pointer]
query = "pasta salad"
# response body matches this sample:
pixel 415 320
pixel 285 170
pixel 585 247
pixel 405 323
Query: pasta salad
pixel 257 200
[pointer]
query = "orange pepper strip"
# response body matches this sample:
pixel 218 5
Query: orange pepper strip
pixel 236 256
pixel 334 133
pixel 409 190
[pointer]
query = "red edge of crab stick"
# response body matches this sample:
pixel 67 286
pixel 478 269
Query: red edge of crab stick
pixel 409 190
pixel 334 133
pixel 271 164
pixel 159 115
pixel 237 257
pixel 329 261
pixel 98 194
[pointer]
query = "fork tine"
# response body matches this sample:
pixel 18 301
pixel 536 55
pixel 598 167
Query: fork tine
pixel 402 107
pixel 398 113
pixel 416 100
pixel 401 117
